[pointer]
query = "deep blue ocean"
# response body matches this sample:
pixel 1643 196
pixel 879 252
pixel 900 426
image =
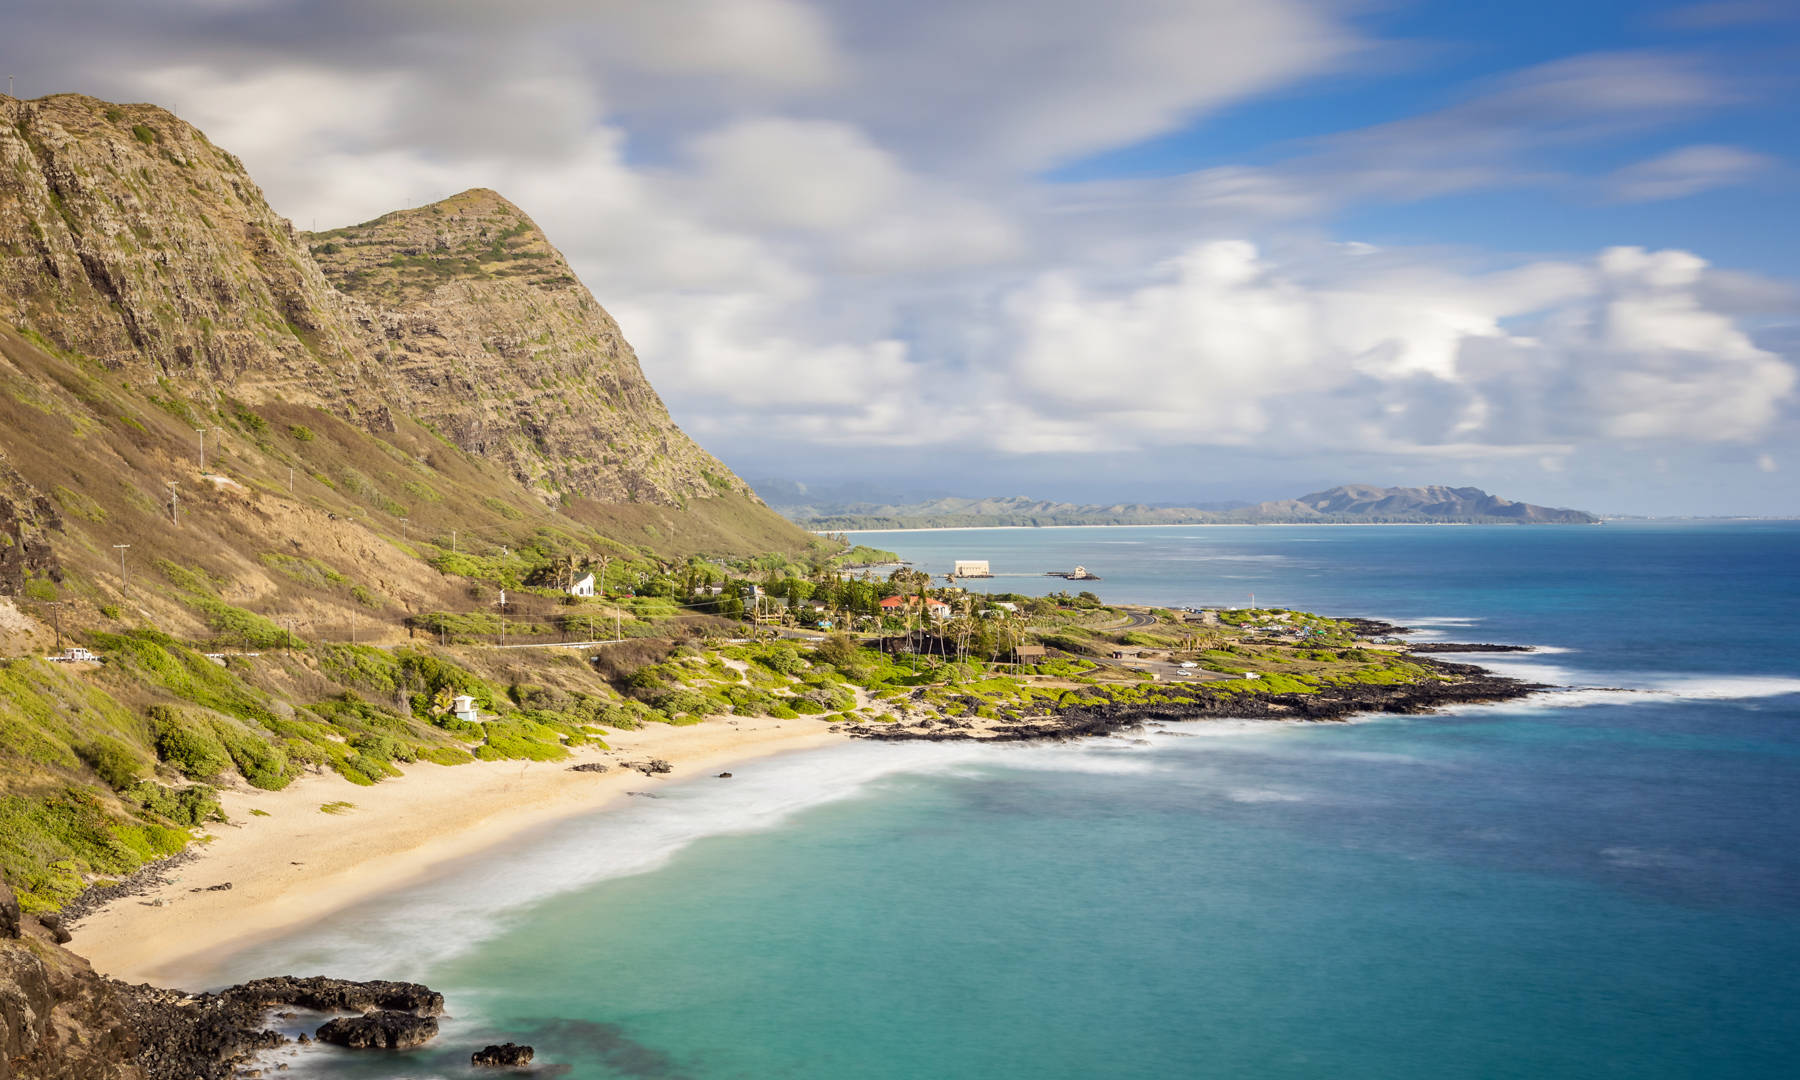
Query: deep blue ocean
pixel 1603 881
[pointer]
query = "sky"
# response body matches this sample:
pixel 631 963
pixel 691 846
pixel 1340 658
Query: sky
pixel 1151 250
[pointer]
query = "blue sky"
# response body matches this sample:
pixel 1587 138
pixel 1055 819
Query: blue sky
pixel 1164 250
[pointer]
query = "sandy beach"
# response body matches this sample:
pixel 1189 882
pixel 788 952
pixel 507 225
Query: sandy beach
pixel 298 863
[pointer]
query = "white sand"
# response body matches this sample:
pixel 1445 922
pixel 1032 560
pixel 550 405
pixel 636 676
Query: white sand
pixel 299 863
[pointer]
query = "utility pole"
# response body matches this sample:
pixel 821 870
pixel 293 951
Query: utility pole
pixel 452 541
pixel 202 433
pixel 123 589
pixel 56 621
pixel 173 519
pixel 502 603
pixel 290 479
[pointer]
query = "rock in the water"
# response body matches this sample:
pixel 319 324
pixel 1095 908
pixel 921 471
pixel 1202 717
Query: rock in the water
pixel 385 1030
pixel 724 776
pixel 338 995
pixel 510 1054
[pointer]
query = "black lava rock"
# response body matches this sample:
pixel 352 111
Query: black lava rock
pixel 384 1030
pixel 509 1055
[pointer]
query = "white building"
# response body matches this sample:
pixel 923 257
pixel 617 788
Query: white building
pixel 584 586
pixel 971 568
pixel 462 706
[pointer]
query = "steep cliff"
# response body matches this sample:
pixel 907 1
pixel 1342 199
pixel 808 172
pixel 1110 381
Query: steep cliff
pixel 492 340
pixel 128 239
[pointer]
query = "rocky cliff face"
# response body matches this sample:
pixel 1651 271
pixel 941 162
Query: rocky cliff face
pixel 490 338
pixel 128 238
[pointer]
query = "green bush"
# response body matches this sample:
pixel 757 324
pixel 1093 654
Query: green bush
pixel 191 806
pixel 190 747
pixel 116 763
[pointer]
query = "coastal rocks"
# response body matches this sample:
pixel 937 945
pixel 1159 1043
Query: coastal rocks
pixel 590 766
pixel 337 995
pixel 507 1055
pixel 223 886
pixel 9 912
pixel 724 776
pixel 1456 647
pixel 1459 684
pixel 54 924
pixel 386 1030
pixel 652 767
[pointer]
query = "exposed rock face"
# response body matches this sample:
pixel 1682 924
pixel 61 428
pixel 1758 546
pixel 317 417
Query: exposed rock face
pixel 492 340
pixel 27 522
pixel 379 1031
pixel 128 238
pixel 508 1055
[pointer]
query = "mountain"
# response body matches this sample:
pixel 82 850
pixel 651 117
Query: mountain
pixel 1365 502
pixel 132 240
pixel 1348 504
pixel 437 369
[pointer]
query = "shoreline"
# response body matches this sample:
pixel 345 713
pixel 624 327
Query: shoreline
pixel 1191 525
pixel 281 861
pixel 264 874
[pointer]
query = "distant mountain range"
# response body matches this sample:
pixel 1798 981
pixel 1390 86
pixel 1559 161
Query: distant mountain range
pixel 1347 504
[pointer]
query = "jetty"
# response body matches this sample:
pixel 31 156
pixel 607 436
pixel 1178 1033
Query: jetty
pixel 1080 573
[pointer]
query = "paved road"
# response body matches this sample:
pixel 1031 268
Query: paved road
pixel 1138 620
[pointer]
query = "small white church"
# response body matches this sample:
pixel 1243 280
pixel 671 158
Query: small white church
pixel 584 586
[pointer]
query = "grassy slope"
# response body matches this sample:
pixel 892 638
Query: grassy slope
pixel 103 768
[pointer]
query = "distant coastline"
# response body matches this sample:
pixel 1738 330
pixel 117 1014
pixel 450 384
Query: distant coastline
pixel 1169 525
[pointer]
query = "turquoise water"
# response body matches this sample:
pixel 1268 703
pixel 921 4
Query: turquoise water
pixel 1602 881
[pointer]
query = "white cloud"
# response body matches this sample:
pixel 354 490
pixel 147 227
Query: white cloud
pixel 1220 347
pixel 1689 170
pixel 829 221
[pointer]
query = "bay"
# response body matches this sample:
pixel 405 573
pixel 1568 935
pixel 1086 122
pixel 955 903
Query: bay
pixel 1600 881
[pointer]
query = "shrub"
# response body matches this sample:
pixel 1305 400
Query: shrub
pixel 191 806
pixel 117 764
pixel 192 748
pixel 838 650
pixel 301 433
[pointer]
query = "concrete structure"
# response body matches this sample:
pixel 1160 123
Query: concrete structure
pixel 462 706
pixel 971 568
pixel 584 586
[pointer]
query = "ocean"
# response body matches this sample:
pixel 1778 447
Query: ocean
pixel 1601 881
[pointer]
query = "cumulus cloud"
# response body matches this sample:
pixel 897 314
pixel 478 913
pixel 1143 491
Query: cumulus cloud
pixel 1221 346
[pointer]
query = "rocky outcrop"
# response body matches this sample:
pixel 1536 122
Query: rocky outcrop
pixel 28 521
pixel 59 1020
pixel 337 995
pixel 506 1055
pixel 379 1031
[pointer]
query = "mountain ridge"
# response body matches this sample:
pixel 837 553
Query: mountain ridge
pixel 1347 503
pixel 127 237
